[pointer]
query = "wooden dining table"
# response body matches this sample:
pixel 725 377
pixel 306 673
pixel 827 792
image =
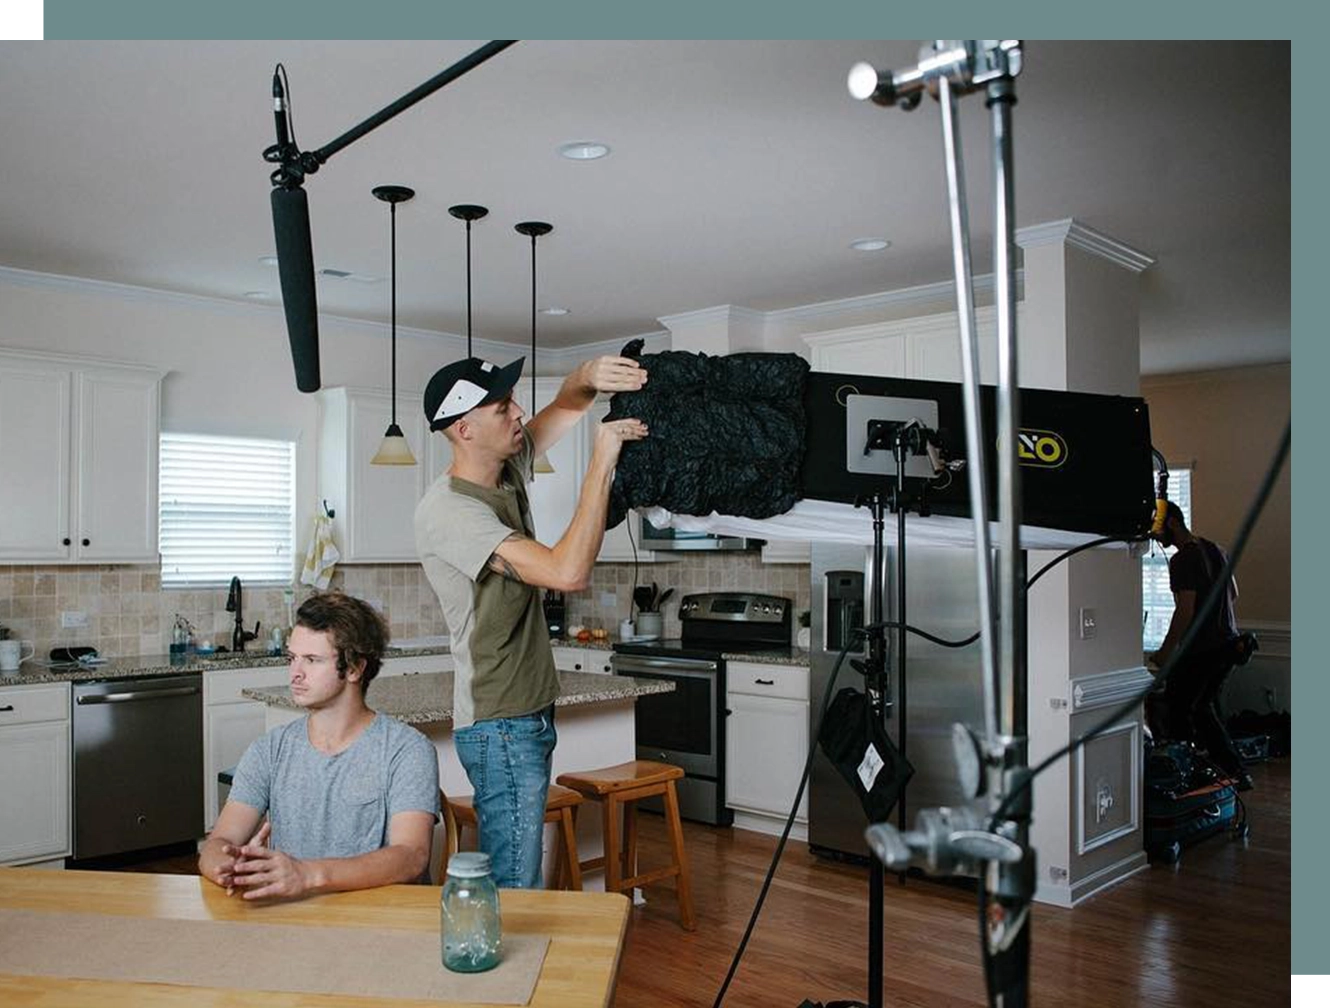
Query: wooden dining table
pixel 585 932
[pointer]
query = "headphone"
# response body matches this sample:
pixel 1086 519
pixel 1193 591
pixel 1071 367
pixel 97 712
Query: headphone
pixel 1161 496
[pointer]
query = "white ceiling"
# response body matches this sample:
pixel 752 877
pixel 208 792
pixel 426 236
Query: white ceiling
pixel 740 172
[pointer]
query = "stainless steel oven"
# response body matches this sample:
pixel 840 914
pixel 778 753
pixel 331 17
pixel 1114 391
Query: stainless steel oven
pixel 686 727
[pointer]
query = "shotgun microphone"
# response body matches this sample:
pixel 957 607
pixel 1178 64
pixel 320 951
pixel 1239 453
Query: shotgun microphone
pixel 295 265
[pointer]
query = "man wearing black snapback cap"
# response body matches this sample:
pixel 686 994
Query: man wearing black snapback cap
pixel 479 550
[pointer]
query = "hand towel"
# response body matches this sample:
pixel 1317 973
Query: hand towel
pixel 322 555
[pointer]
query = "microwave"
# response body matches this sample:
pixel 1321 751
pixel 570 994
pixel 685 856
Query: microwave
pixel 653 538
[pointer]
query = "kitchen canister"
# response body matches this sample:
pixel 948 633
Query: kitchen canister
pixel 469 926
pixel 12 655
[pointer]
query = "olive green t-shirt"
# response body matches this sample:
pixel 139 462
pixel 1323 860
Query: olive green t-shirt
pixel 500 641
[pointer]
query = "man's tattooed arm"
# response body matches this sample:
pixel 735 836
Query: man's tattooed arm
pixel 501 566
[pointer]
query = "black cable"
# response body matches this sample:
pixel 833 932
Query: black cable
pixel 789 824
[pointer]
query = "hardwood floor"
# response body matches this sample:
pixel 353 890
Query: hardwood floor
pixel 1211 932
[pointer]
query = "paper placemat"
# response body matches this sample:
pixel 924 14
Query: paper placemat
pixel 362 962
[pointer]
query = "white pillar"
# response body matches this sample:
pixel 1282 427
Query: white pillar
pixel 1080 333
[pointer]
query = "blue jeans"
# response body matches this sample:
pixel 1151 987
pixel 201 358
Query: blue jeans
pixel 507 761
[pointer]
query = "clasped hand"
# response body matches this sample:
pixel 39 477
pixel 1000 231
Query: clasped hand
pixel 260 871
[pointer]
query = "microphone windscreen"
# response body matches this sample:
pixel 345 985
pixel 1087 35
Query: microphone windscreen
pixel 295 265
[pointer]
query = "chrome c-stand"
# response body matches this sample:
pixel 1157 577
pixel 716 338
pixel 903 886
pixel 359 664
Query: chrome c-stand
pixel 949 840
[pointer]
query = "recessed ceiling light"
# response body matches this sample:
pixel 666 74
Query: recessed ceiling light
pixel 268 260
pixel 555 311
pixel 256 294
pixel 870 244
pixel 584 150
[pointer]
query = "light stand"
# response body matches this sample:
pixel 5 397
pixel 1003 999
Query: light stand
pixel 948 68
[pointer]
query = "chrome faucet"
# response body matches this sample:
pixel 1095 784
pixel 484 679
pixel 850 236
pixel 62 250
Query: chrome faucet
pixel 239 636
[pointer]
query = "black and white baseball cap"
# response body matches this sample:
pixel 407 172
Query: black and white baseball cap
pixel 465 384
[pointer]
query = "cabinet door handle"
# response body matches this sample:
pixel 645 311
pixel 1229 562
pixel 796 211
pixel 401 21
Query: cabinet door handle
pixel 87 542
pixel 577 667
pixel 6 708
pixel 65 541
pixel 764 682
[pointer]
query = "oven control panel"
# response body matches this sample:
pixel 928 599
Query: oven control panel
pixel 738 607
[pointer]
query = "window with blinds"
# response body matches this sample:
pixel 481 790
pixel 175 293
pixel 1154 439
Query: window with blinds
pixel 1156 598
pixel 226 509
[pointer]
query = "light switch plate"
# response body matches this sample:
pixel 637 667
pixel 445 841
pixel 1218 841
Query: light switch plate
pixel 73 619
pixel 608 600
pixel 1089 623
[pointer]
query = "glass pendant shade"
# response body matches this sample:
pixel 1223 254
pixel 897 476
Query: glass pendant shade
pixel 542 464
pixel 393 449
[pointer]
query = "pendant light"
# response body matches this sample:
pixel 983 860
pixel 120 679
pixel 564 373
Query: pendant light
pixel 468 212
pixel 535 229
pixel 393 449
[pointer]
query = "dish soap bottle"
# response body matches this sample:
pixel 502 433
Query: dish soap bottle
pixel 179 641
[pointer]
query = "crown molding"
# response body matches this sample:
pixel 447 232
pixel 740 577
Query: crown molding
pixel 716 313
pixel 924 294
pixel 1070 231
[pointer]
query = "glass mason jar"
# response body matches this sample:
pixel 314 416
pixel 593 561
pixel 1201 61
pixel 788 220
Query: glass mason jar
pixel 469 924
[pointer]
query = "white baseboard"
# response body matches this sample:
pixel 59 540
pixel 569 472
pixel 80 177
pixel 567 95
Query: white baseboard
pixel 1071 894
pixel 761 822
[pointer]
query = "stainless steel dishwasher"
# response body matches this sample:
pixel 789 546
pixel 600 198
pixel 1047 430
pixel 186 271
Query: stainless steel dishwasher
pixel 138 764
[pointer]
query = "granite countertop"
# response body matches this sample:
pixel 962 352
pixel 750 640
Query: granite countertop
pixel 148 666
pixel 428 697
pixel 781 656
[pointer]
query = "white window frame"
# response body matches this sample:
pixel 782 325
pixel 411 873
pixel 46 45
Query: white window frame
pixel 1156 596
pixel 226 508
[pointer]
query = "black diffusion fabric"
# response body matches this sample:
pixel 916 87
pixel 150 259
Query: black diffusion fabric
pixel 726 435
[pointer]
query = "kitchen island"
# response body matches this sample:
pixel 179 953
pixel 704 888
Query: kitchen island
pixel 593 716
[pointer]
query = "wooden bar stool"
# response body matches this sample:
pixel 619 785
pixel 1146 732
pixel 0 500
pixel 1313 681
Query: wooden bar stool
pixel 560 807
pixel 623 786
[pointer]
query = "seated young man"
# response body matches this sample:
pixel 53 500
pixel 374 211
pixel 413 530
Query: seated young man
pixel 351 796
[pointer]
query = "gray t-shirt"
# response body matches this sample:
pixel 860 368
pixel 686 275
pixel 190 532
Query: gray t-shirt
pixel 499 639
pixel 323 806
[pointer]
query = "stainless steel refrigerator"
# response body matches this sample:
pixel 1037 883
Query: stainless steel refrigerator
pixel 943 685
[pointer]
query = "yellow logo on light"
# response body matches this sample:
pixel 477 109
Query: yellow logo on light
pixel 1041 449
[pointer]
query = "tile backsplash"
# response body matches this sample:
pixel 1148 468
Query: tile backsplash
pixel 129 613
pixel 694 572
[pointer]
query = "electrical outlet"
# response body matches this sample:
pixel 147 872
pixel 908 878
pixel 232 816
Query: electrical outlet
pixel 1103 802
pixel 1089 624
pixel 73 618
pixel 608 600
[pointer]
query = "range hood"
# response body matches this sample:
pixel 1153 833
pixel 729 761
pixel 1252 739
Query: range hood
pixel 653 538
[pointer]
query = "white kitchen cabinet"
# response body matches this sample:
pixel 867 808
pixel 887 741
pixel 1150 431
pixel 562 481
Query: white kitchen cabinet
pixel 926 348
pixel 230 723
pixel 79 441
pixel 575 659
pixel 374 506
pixel 35 779
pixel 787 551
pixel 766 743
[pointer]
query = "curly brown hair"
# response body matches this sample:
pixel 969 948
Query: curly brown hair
pixel 358 631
